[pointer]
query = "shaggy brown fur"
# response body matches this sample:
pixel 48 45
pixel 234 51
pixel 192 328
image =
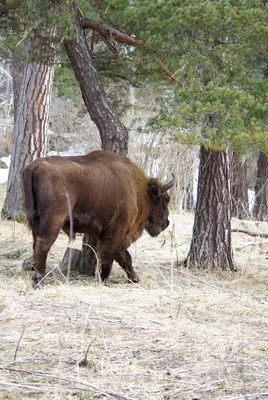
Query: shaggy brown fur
pixel 101 193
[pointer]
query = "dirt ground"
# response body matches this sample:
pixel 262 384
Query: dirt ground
pixel 178 334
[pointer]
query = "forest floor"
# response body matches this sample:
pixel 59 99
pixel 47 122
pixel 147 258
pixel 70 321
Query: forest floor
pixel 178 334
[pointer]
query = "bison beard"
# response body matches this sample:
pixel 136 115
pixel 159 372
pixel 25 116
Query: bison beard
pixel 101 193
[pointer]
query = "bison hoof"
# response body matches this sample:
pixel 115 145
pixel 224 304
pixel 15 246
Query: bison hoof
pixel 38 281
pixel 38 286
pixel 133 280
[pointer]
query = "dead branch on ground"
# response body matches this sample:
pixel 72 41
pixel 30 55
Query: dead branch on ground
pixel 251 233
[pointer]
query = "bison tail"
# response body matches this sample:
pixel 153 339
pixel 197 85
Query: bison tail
pixel 29 197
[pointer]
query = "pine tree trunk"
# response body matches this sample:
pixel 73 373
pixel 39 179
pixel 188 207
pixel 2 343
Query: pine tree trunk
pixel 114 136
pixel 32 95
pixel 261 189
pixel 240 189
pixel 211 241
pixel 188 200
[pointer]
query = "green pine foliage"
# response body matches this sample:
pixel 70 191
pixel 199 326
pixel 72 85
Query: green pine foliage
pixel 218 51
pixel 215 50
pixel 34 19
pixel 23 19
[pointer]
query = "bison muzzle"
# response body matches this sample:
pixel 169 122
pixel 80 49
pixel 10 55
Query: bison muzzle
pixel 101 193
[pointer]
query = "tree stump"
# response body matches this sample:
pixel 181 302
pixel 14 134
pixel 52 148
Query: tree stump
pixel 72 259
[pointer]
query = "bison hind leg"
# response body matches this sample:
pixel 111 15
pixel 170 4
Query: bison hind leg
pixel 41 249
pixel 44 237
pixel 125 261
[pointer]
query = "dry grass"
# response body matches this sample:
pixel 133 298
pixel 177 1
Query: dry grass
pixel 179 334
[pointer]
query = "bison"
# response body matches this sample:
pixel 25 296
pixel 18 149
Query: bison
pixel 101 193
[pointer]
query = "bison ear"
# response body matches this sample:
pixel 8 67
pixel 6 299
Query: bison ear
pixel 154 192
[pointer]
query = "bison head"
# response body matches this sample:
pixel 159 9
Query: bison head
pixel 157 220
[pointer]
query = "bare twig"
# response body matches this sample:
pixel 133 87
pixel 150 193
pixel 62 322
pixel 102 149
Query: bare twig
pixel 18 344
pixel 85 385
pixel 172 236
pixel 71 235
pixel 249 395
pixel 83 362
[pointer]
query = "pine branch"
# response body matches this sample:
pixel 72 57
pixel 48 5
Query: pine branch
pixel 108 33
pixel 111 33
pixel 109 45
pixel 169 74
pixel 120 76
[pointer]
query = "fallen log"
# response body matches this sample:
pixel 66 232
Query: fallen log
pixel 255 234
pixel 255 243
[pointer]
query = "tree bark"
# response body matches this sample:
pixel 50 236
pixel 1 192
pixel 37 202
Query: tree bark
pixel 211 241
pixel 261 189
pixel 114 136
pixel 32 94
pixel 240 189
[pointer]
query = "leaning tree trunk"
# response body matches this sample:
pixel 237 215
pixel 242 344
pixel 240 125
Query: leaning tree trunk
pixel 240 189
pixel 211 241
pixel 114 136
pixel 32 81
pixel 261 189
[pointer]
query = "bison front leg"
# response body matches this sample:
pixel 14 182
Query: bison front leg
pixel 105 268
pixel 125 261
pixel 111 250
pixel 107 250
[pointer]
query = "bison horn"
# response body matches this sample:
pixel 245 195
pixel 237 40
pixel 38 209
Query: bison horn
pixel 169 185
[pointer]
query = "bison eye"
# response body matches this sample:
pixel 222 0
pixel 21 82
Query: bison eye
pixel 154 192
pixel 166 198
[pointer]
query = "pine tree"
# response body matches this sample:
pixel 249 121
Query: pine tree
pixel 261 189
pixel 215 53
pixel 240 206
pixel 32 87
